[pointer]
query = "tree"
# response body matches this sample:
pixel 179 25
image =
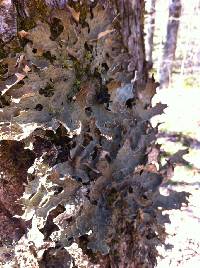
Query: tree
pixel 76 105
pixel 150 24
pixel 170 42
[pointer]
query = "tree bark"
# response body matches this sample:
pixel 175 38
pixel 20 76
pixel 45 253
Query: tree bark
pixel 169 49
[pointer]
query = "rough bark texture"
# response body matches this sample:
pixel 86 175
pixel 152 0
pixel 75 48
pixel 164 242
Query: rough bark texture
pixel 70 96
pixel 170 42
pixel 8 23
pixel 132 23
pixel 14 162
pixel 150 27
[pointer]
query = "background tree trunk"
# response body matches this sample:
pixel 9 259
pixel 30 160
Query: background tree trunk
pixel 150 27
pixel 92 192
pixel 169 49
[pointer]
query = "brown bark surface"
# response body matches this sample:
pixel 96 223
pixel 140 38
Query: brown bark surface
pixel 14 162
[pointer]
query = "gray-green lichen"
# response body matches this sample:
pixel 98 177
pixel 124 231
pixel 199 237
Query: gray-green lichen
pixel 92 193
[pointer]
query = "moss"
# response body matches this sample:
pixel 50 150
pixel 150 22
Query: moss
pixel 56 28
pixel 88 55
pixel 3 69
pixel 83 14
pixel 18 49
pixel 82 7
pixel 74 90
pixel 38 9
pixel 48 91
pixel 26 24
pixel 82 73
pixel 112 196
pixel 5 101
pixel 77 83
pixel 66 64
pixel 47 55
pixel 2 51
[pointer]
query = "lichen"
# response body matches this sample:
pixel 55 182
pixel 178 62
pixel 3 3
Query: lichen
pixel 91 188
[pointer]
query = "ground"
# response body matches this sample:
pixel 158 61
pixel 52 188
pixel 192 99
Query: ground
pixel 181 129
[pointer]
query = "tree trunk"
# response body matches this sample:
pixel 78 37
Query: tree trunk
pixel 150 28
pixel 76 95
pixel 169 49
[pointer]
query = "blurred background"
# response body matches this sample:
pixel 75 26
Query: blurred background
pixel 172 49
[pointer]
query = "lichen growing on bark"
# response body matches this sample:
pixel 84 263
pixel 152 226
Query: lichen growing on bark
pixel 92 194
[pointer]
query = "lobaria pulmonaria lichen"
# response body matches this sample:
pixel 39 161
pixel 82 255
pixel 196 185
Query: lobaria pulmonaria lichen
pixel 91 197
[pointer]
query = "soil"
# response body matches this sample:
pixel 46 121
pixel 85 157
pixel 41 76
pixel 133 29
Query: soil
pixel 181 129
